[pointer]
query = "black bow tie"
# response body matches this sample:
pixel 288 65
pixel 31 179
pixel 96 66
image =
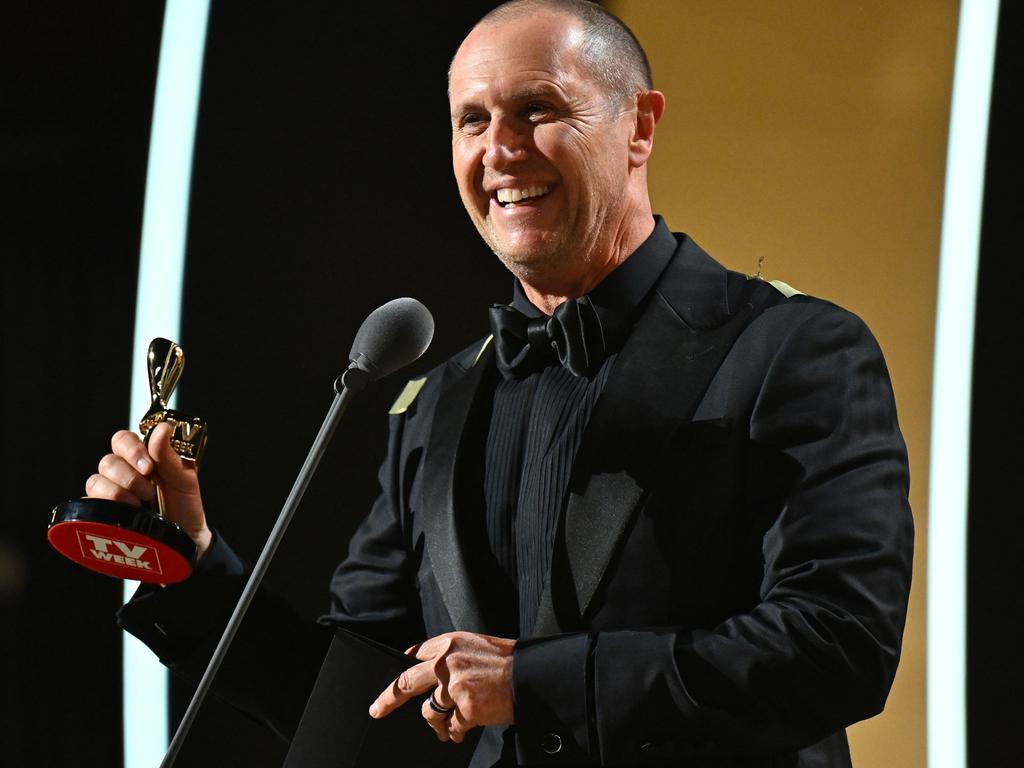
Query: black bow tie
pixel 571 337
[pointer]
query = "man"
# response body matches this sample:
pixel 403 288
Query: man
pixel 660 515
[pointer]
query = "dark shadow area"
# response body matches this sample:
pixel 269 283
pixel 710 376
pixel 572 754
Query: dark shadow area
pixel 78 93
pixel 322 187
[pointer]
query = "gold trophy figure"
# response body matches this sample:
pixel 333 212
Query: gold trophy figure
pixel 137 542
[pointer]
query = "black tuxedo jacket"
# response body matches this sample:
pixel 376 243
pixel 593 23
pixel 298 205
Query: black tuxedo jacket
pixel 730 577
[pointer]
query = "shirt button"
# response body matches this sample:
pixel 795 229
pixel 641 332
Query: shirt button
pixel 551 743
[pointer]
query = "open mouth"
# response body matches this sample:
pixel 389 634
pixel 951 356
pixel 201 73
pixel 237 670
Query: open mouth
pixel 512 198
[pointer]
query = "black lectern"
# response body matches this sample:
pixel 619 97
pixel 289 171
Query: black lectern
pixel 336 731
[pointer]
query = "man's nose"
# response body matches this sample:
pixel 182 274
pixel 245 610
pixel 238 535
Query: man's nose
pixel 506 144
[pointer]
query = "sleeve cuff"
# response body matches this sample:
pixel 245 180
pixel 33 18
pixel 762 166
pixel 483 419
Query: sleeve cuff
pixel 640 710
pixel 175 620
pixel 550 698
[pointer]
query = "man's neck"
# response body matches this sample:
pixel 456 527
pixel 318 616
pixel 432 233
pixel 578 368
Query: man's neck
pixel 547 292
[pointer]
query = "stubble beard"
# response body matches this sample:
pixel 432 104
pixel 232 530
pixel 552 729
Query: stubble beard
pixel 529 267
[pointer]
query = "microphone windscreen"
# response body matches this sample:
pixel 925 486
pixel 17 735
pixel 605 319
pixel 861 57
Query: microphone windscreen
pixel 391 337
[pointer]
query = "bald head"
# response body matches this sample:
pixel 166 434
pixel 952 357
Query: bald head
pixel 550 158
pixel 608 51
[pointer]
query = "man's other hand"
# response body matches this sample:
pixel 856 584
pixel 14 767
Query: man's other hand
pixel 131 472
pixel 467 673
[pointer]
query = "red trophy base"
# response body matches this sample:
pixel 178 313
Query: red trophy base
pixel 122 541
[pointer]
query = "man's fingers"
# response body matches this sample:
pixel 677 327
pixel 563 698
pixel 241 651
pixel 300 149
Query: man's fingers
pixel 458 727
pixel 412 682
pixel 129 447
pixel 99 487
pixel 121 473
pixel 173 474
pixel 471 677
pixel 435 720
pixel 434 647
pixel 441 695
pixel 134 471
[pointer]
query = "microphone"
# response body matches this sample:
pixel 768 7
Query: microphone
pixel 391 337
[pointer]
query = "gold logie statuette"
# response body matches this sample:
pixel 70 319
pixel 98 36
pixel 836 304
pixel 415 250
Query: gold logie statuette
pixel 125 541
pixel 166 361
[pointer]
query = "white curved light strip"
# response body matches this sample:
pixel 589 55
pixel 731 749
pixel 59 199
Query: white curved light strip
pixel 158 313
pixel 951 389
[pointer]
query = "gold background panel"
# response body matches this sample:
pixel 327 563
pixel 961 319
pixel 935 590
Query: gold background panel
pixel 812 134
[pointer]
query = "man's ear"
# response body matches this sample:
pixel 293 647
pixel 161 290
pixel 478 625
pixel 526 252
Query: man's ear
pixel 650 106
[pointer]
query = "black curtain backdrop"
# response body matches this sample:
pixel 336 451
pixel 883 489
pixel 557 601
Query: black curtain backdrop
pixel 322 187
pixel 77 93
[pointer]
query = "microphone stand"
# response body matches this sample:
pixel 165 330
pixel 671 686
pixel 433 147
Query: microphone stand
pixel 346 386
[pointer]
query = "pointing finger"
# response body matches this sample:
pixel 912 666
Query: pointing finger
pixel 412 682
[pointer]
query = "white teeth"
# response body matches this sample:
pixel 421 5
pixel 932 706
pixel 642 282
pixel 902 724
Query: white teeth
pixel 515 195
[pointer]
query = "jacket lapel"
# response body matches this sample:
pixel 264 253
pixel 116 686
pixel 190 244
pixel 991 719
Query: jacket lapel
pixel 658 380
pixel 459 386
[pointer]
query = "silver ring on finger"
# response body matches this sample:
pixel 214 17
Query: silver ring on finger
pixel 434 705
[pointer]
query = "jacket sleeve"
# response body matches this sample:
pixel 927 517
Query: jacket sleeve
pixel 277 654
pixel 820 648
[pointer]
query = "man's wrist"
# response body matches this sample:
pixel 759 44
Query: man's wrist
pixel 203 542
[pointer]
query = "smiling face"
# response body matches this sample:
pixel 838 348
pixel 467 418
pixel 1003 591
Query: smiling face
pixel 541 152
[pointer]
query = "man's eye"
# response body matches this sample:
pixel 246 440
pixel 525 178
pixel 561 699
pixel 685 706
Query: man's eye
pixel 471 122
pixel 537 109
